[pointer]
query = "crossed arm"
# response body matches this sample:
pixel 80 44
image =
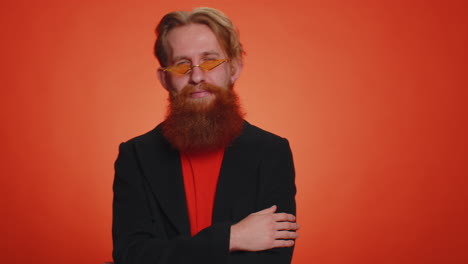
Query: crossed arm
pixel 261 237
pixel 264 230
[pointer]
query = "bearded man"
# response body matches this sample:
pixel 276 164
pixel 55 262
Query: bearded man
pixel 204 186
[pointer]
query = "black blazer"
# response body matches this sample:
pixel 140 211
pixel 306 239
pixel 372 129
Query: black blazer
pixel 150 219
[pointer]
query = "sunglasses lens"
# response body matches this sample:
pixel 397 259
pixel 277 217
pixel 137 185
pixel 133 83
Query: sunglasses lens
pixel 179 68
pixel 208 65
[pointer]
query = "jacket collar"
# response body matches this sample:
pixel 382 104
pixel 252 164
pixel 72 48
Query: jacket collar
pixel 162 168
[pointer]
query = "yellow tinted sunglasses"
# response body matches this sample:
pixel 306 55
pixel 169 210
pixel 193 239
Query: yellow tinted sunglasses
pixel 185 68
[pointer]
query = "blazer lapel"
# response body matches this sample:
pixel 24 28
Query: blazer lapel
pixel 162 168
pixel 235 161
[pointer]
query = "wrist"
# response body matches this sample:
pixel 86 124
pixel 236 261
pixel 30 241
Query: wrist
pixel 233 239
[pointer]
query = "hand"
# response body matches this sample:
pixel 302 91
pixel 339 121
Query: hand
pixel 264 230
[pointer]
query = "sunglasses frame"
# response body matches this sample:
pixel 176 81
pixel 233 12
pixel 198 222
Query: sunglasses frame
pixel 174 67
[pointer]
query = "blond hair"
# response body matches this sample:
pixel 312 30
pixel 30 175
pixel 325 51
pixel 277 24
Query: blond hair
pixel 218 22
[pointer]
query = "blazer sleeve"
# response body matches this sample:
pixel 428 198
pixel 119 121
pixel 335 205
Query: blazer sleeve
pixel 277 187
pixel 140 238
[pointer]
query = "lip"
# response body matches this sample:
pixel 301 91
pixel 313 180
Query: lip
pixel 200 94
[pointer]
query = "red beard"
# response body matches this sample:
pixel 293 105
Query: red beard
pixel 201 125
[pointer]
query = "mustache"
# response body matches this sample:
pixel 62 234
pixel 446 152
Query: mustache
pixel 190 88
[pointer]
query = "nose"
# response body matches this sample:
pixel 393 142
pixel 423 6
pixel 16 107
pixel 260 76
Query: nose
pixel 197 75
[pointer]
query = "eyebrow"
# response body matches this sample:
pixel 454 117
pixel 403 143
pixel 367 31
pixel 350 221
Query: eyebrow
pixel 204 54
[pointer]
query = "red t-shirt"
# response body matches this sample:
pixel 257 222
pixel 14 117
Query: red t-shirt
pixel 201 173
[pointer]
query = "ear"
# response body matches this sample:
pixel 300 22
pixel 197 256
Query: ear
pixel 236 68
pixel 162 76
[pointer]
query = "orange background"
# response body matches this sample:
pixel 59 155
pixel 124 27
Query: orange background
pixel 371 94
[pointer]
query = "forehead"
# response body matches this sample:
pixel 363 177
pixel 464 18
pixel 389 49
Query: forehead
pixel 192 41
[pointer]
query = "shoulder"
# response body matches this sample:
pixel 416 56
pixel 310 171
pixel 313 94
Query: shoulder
pixel 254 139
pixel 151 137
pixel 256 134
pixel 151 142
pixel 147 148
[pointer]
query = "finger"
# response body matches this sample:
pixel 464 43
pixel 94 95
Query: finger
pixel 268 210
pixel 286 226
pixel 283 243
pixel 281 217
pixel 286 235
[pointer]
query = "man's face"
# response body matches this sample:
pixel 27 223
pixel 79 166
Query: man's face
pixel 193 44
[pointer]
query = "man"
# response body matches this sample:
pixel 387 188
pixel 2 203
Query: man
pixel 204 186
